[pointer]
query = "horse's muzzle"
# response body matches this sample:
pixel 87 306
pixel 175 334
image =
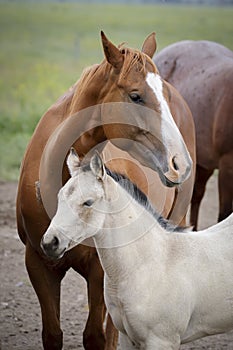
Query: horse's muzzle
pixel 51 247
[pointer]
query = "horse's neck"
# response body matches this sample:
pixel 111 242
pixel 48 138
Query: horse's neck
pixel 136 239
pixel 85 129
pixel 84 112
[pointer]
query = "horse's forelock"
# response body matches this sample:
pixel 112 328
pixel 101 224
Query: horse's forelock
pixel 134 58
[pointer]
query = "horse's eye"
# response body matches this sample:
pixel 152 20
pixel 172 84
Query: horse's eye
pixel 136 98
pixel 88 203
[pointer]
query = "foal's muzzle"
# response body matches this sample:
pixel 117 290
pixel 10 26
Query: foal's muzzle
pixel 51 246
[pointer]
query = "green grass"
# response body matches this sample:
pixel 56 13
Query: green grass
pixel 45 47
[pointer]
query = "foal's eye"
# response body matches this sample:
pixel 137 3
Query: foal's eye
pixel 136 98
pixel 88 203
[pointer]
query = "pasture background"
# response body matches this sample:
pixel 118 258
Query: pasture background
pixel 45 46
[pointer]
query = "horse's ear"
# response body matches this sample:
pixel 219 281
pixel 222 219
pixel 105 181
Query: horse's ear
pixel 97 166
pixel 149 45
pixel 112 53
pixel 73 162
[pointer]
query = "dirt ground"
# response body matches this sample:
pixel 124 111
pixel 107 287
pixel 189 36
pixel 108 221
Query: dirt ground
pixel 20 323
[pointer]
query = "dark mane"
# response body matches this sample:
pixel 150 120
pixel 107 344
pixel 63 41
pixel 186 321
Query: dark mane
pixel 142 199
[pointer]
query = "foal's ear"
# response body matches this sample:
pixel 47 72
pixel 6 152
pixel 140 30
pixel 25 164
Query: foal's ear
pixel 97 166
pixel 73 162
pixel 149 46
pixel 112 53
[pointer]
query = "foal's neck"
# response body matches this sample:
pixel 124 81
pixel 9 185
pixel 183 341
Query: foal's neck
pixel 136 239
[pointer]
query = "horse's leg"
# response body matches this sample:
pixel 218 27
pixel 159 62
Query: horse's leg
pixel 111 335
pixel 47 287
pixel 225 186
pixel 94 337
pixel 89 267
pixel 202 176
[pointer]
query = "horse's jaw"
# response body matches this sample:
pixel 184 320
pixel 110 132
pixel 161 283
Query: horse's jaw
pixel 168 171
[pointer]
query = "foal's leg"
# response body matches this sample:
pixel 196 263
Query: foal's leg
pixel 225 185
pixel 164 343
pixel 89 267
pixel 152 343
pixel 202 176
pixel 47 287
pixel 126 343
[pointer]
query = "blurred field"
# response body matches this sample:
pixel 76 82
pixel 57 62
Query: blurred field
pixel 45 46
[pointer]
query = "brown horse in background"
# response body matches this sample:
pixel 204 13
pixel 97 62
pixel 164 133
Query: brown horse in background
pixel 129 79
pixel 202 72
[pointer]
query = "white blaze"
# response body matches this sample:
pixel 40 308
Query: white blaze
pixel 168 126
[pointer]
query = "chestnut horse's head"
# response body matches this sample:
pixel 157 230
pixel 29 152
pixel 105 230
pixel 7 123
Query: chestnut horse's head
pixel 124 100
pixel 135 111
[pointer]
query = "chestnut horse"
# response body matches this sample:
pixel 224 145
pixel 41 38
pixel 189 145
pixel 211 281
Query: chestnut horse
pixel 202 71
pixel 122 99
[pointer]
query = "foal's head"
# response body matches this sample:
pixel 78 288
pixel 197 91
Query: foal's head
pixel 82 206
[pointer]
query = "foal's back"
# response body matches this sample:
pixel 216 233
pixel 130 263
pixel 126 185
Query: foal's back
pixel 209 246
pixel 201 278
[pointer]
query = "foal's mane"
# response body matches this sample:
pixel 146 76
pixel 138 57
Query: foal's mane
pixel 139 196
pixel 142 199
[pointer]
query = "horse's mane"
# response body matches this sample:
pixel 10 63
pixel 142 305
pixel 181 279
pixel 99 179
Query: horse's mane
pixel 83 82
pixel 142 199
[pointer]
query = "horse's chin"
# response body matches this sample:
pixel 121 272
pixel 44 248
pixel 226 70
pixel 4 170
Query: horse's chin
pixel 55 255
pixel 167 182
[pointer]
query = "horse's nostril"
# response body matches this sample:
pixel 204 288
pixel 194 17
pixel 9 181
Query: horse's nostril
pixel 174 164
pixel 55 242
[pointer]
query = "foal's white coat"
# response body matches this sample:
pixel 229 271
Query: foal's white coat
pixel 161 288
